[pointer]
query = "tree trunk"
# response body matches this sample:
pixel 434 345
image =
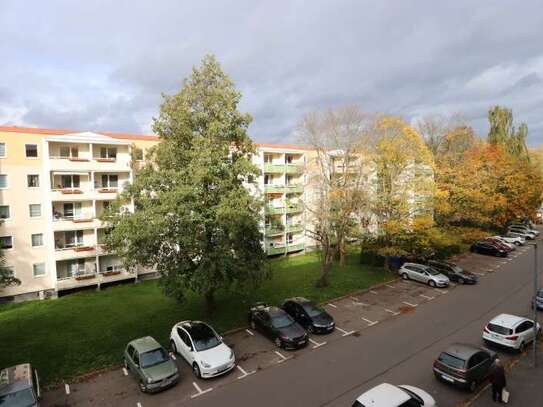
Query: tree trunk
pixel 342 252
pixel 209 297
pixel 326 265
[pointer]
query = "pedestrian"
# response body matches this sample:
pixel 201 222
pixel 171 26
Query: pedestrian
pixel 497 379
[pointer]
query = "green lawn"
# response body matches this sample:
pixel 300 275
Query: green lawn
pixel 78 333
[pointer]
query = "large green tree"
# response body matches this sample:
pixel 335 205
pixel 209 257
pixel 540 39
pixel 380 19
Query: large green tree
pixel 195 220
pixel 504 133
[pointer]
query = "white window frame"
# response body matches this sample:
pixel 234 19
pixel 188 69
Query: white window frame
pixel 30 211
pixel 32 242
pixel 44 270
pixel 10 214
pixel 5 149
pixel 107 151
pixel 37 151
pixel 28 179
pixel 12 243
pixel 7 182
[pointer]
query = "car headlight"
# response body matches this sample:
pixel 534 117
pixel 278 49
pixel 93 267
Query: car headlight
pixel 149 380
pixel 205 364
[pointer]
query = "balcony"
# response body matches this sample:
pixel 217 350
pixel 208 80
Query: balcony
pixel 294 169
pixel 87 163
pixel 274 231
pixel 271 251
pixel 293 188
pixel 90 277
pixel 274 168
pixel 295 228
pixel 275 189
pixel 295 247
pixel 272 210
pixel 75 252
pixel 67 223
pixel 295 208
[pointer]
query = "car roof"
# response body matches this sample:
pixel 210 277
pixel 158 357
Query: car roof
pixel 507 320
pixel 462 350
pixel 415 264
pixel 15 378
pixel 270 309
pixel 298 300
pixel 194 328
pixel 145 344
pixel 384 395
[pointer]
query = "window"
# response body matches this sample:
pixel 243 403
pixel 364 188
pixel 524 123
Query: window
pixel 6 242
pixel 70 181
pixel 73 238
pixel 4 212
pixel 37 239
pixel 38 269
pixel 110 181
pixel 33 180
pixel 2 150
pixel 31 150
pixel 69 152
pixel 138 154
pixel 76 267
pixel 3 181
pixel 268 158
pixel 35 210
pixel 108 152
pixel 267 179
pixel 72 209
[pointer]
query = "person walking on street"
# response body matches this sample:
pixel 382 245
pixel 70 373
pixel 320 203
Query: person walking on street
pixel 497 379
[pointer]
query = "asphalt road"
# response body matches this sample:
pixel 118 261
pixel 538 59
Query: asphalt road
pixel 399 351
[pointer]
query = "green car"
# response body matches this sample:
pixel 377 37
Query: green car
pixel 149 362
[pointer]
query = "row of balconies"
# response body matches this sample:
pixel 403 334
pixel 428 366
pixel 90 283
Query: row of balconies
pixel 285 248
pixel 279 210
pixel 283 189
pixel 283 168
pixel 279 229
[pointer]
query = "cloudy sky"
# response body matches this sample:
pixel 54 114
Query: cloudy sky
pixel 102 65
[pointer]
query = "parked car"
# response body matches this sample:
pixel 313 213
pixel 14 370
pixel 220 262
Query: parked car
pixel 388 395
pixel 531 234
pixel 520 233
pixel 539 300
pixel 424 274
pixel 487 248
pixel 149 362
pixel 464 365
pixel 455 273
pixel 310 316
pixel 277 325
pixel 528 224
pixel 500 244
pixel 510 331
pixel 202 348
pixel 516 240
pixel 19 386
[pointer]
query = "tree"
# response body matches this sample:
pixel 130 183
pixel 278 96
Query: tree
pixel 503 132
pixel 6 274
pixel 434 129
pixel 338 138
pixel 195 221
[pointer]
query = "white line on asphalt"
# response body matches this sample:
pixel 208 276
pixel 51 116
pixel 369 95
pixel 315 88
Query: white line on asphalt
pixel 479 274
pixel 138 404
pixel 125 372
pixel 390 286
pixel 374 292
pixel 332 305
pixel 355 300
pixel 428 298
pixel 283 357
pixel 173 355
pixel 345 333
pixel 249 332
pixel 441 291
pixel 391 312
pixel 199 390
pixel 370 323
pixel 67 388
pixel 316 344
pixel 411 305
pixel 244 373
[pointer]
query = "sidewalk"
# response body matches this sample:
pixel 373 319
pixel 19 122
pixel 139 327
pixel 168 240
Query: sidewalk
pixel 523 382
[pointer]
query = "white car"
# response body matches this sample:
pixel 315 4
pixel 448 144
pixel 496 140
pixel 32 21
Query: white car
pixel 202 348
pixel 516 240
pixel 510 331
pixel 528 226
pixel 522 232
pixel 424 274
pixel 388 395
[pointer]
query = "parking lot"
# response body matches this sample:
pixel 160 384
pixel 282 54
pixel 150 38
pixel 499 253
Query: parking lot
pixel 355 315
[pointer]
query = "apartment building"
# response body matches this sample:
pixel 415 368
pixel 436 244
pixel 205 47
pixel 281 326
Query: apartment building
pixel 55 184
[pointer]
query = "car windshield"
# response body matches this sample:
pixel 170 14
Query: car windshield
pixel 451 361
pixel 414 396
pixel 312 309
pixel 153 357
pixel 499 329
pixel 433 271
pixel 22 398
pixel 281 320
pixel 204 337
pixel 457 269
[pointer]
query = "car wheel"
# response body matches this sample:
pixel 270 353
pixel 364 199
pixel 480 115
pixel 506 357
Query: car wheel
pixel 173 347
pixel 278 343
pixel 472 386
pixel 125 364
pixel 517 243
pixel 431 283
pixel 310 329
pixel 196 370
pixel 461 281
pixel 253 325
pixel 522 347
pixel 405 276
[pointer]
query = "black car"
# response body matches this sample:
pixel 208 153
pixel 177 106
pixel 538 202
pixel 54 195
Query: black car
pixel 464 365
pixel 483 247
pixel 309 315
pixel 453 271
pixel 278 326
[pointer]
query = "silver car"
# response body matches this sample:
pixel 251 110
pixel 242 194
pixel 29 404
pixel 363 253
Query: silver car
pixel 424 274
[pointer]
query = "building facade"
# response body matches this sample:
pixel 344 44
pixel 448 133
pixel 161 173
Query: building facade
pixel 55 185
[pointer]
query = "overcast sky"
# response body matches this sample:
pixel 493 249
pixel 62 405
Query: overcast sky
pixel 102 65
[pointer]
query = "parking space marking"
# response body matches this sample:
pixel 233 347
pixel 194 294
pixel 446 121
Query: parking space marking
pixel 390 286
pixel 345 333
pixel 332 305
pixel 357 302
pixel 479 274
pixel 244 373
pixel 283 357
pixel 427 297
pixel 441 291
pixel 67 388
pixel 125 372
pixel 317 344
pixel 370 323
pixel 391 312
pixel 249 332
pixel 199 390
pixel 411 305
pixel 374 292
pixel 138 404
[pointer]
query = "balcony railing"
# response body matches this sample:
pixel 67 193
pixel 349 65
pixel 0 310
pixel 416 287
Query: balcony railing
pixel 294 169
pixel 273 250
pixel 272 210
pixel 295 208
pixel 295 228
pixel 295 247
pixel 274 168
pixel 294 188
pixel 274 230
pixel 275 188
